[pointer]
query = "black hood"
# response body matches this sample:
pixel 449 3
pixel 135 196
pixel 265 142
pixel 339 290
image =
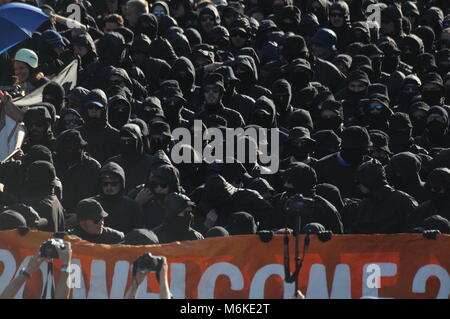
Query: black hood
pixel 147 24
pixel 110 71
pixel 156 71
pixel 248 63
pixel 268 108
pixel 241 223
pixel 439 178
pixel 54 93
pixel 112 169
pixel 217 191
pixel 169 175
pixel 332 194
pixel 405 163
pixel 303 177
pixel 134 131
pixel 162 49
pixel 118 118
pixel 372 175
pixel 175 203
pixel 111 48
pixel 186 82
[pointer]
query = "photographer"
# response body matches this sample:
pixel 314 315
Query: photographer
pixel 63 252
pixel 140 270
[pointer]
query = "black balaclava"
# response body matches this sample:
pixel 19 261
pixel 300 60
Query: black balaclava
pixel 40 115
pixel 400 130
pixel 288 19
pixel 174 204
pixel 437 128
pixel 377 121
pixel 372 175
pixel 330 123
pixel 304 179
pixel 145 133
pixel 355 144
pixel 172 100
pixel 439 179
pixel 54 93
pixel 433 97
pixel 215 79
pixel 358 75
pixel 282 95
pixel 40 179
pixel 419 123
pixel 184 72
pixel 299 74
pixel 230 81
pixel 264 113
pixel 300 152
pixel 69 147
pixel 119 111
pixel 111 48
pixel 405 97
pixel 97 96
pixel 160 136
pixel 148 25
pixel 151 109
pixel 131 146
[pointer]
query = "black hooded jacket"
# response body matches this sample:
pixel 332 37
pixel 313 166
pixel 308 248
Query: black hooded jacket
pixel 385 210
pixel 79 178
pixel 134 162
pixel 171 230
pixel 264 113
pixel 403 173
pixel 124 214
pixel 184 72
pixel 227 199
pixel 39 114
pixel 304 179
pixel 249 79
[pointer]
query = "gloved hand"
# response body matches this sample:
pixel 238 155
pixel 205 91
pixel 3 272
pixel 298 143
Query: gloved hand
pixel 430 234
pixel 265 235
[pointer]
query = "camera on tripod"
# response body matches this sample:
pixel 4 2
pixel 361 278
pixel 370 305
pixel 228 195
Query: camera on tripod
pixel 48 248
pixel 148 262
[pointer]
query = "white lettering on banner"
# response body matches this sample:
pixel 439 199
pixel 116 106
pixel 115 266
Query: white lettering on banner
pixel 24 264
pixel 74 278
pixel 79 292
pixel 207 283
pixel 425 272
pixel 318 287
pixel 260 278
pixel 9 268
pixel 97 284
pixel 371 271
pixel 178 280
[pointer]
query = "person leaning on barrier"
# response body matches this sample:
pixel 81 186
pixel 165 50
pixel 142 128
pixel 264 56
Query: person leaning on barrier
pixel 62 291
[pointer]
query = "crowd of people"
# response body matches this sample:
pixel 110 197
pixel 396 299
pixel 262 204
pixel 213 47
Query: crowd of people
pixel 358 92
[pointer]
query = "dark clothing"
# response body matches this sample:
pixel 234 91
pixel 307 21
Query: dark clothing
pixel 48 207
pixel 233 118
pixel 165 236
pixel 425 210
pixel 78 180
pixel 385 212
pixel 103 143
pixel 109 236
pixel 124 214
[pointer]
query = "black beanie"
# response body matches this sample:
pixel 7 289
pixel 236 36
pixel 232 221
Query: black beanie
pixel 355 137
pixel 41 173
pixel 56 91
pixel 399 121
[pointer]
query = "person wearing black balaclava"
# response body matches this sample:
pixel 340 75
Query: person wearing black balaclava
pixel 300 147
pixel 438 203
pixel 160 137
pixel 208 17
pixel 39 194
pixel 119 111
pixel 380 149
pixel 433 90
pixel 411 46
pixel 84 47
pixel 384 210
pixel 282 95
pixel 288 19
pixel 301 179
pixel 77 170
pixel 213 91
pixel 320 8
pixel 418 115
pixel 340 168
pixel 436 134
pixel 391 60
pixel 409 92
pixel 330 117
pixel 299 74
pixel 357 88
pixel 402 172
pixel 162 180
pixel 184 72
pixel 245 69
pixel 173 103
pixel 178 216
pixel 54 93
pixel 340 24
pixel 391 22
pixel 124 214
pixel 264 113
pixel 39 128
pixel 400 135
pixel 147 24
pixel 102 138
pixel 132 158
pixel 232 99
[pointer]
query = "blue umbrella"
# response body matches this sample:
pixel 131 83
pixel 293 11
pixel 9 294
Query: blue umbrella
pixel 18 21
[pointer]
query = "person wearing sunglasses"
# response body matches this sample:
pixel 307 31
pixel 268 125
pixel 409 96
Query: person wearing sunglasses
pixel 124 214
pixel 178 216
pixel 340 24
pixel 39 129
pixel 160 9
pixel 377 113
pixel 239 34
pixel 69 119
pixel 208 18
pixel 90 224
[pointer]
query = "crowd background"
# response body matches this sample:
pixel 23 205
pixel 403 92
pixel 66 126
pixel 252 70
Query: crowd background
pixel 360 102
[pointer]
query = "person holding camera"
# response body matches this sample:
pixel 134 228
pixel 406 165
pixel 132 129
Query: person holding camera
pixel 142 266
pixel 300 197
pixel 90 227
pixel 51 249
pixel 177 220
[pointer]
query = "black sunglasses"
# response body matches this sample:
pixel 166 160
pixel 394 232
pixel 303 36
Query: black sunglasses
pixel 97 220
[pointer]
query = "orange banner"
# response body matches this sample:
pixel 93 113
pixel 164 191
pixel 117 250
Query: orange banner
pixel 347 266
